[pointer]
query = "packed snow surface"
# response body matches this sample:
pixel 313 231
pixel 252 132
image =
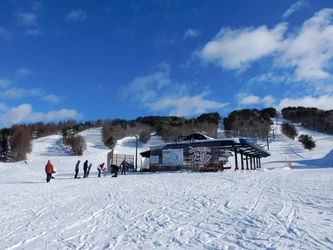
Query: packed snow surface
pixel 274 207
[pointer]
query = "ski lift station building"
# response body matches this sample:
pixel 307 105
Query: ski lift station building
pixel 198 152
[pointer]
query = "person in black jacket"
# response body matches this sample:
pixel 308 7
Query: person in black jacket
pixel 115 170
pixel 77 169
pixel 85 169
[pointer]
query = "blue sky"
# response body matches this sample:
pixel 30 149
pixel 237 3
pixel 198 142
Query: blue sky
pixel 89 60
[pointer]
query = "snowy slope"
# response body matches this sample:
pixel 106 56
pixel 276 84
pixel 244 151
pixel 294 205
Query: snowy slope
pixel 270 208
pixel 282 149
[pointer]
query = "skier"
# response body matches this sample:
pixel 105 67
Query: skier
pixel 85 169
pixel 49 170
pixel 124 165
pixel 77 169
pixel 100 168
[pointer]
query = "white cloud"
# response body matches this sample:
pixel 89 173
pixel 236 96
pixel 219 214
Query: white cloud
pixel 234 49
pixel 158 92
pixel 162 41
pixel 323 102
pixel 16 115
pixel 145 88
pixel 4 83
pixel 190 33
pixel 22 73
pixel 324 88
pixel 27 19
pixel 30 22
pixel 164 66
pixel 305 54
pixel 3 106
pixel 24 113
pixel 272 77
pixel 51 98
pixel 76 16
pixel 6 34
pixel 268 100
pixel 295 7
pixel 34 32
pixel 13 93
pixel 186 105
pixel 55 115
pixel 148 86
pixel 312 49
pixel 35 92
pixel 36 6
pixel 248 100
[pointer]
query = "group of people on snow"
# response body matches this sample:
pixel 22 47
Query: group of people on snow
pixel 101 168
pixel 86 169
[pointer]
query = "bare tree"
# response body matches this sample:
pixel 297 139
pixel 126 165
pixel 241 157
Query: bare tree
pixel 21 142
pixel 78 144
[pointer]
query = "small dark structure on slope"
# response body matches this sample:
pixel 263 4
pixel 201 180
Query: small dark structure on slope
pixel 200 153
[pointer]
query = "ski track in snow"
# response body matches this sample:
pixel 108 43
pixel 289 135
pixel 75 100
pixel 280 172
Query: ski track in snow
pixel 270 208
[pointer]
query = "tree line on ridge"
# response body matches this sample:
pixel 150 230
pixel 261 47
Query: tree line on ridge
pixel 16 141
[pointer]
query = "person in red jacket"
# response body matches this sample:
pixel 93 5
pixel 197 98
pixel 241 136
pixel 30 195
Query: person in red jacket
pixel 49 170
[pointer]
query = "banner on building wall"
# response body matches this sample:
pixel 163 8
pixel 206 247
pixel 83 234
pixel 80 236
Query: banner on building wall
pixel 200 155
pixel 172 157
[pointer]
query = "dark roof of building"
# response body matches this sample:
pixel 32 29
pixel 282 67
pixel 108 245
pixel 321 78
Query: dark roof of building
pixel 243 146
pixel 196 136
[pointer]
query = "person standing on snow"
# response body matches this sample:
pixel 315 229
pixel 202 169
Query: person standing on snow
pixel 123 166
pixel 77 169
pixel 49 170
pixel 85 169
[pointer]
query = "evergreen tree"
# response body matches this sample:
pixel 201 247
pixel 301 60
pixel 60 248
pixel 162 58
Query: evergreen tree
pixel 307 141
pixel 6 152
pixel 289 130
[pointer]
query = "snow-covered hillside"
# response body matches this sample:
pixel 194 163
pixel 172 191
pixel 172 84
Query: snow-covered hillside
pixel 270 208
pixel 283 149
